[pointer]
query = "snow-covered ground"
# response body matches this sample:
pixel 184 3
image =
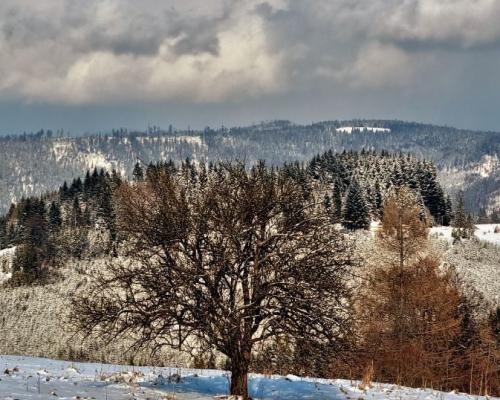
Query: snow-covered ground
pixel 44 379
pixel 484 232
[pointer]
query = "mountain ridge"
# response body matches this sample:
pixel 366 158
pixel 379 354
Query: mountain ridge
pixel 31 164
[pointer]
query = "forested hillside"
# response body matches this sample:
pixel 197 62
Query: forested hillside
pixel 66 222
pixel 37 163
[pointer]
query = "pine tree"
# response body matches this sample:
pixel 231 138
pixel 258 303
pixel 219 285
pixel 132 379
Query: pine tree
pixel 448 211
pixel 105 209
pixel 337 202
pixel 25 266
pixel 432 193
pixel 463 224
pixel 76 219
pixel 76 187
pixel 55 219
pixel 116 179
pixel 378 200
pixel 137 173
pixel 3 233
pixel 87 184
pixel 64 192
pixel 356 214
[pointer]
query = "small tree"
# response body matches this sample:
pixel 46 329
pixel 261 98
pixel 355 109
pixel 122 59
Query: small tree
pixel 226 262
pixel 337 202
pixel 138 173
pixel 463 224
pixel 25 266
pixel 55 219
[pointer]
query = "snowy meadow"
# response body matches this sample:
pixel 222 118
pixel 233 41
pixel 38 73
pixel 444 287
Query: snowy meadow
pixel 44 379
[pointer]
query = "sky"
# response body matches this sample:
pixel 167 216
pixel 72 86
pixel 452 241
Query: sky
pixel 93 65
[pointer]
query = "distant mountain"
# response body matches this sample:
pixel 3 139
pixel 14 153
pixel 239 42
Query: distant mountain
pixel 468 160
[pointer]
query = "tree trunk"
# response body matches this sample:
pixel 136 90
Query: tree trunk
pixel 239 376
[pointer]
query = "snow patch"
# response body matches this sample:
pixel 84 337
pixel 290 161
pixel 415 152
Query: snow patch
pixel 9 252
pixel 6 257
pixel 95 160
pixel 485 232
pixel 195 140
pixel 351 129
pixel 488 165
pixel 61 149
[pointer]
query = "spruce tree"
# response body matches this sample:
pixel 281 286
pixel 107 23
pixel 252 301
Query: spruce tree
pixel 25 266
pixel 356 214
pixel 55 219
pixel 463 224
pixel 378 201
pixel 64 192
pixel 3 233
pixel 432 193
pixel 137 173
pixel 76 213
pixel 337 202
pixel 448 215
pixel 87 184
pixel 105 209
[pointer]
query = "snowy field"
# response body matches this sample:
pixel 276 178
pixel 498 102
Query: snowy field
pixel 484 232
pixel 43 379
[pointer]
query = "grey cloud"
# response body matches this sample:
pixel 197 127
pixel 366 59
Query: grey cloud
pixel 111 26
pixel 94 51
pixel 215 50
pixel 447 24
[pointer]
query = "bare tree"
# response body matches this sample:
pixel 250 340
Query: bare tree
pixel 223 258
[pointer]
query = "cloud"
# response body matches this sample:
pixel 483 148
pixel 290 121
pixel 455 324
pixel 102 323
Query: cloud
pixel 99 51
pixel 452 24
pixel 113 51
pixel 377 66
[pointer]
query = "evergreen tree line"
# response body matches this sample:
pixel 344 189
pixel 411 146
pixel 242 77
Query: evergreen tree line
pixel 45 160
pixel 58 225
pixel 360 181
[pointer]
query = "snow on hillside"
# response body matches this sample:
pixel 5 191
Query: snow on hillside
pixel 477 262
pixel 484 232
pixel 6 256
pixel 44 379
pixel 487 165
pixel 350 129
